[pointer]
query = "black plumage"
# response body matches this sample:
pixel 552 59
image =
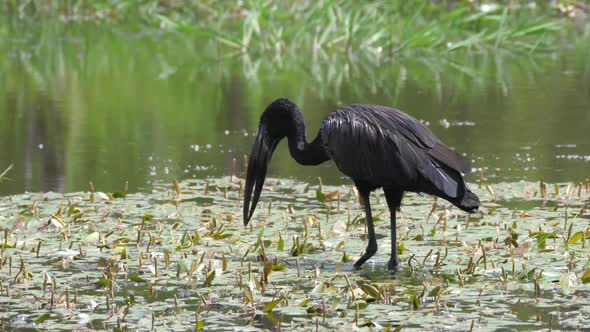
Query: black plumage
pixel 376 146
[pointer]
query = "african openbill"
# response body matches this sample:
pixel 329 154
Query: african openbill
pixel 376 146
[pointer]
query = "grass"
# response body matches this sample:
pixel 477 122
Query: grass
pixel 308 28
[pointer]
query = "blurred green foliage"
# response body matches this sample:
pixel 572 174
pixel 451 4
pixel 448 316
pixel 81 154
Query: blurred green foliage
pixel 381 28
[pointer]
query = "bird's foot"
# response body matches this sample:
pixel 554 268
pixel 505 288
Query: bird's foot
pixel 371 250
pixel 392 265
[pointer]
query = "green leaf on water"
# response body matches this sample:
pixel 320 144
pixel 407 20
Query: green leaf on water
pixel 586 277
pixel 512 239
pixel 335 304
pixel 542 238
pixel 299 249
pixel 42 318
pixel 320 196
pixel 576 237
pixel 303 303
pixel 248 295
pixel 124 254
pixel 361 304
pixel 281 244
pixel 119 194
pixel 364 219
pixel 371 290
pixel 345 257
pixel 434 292
pixel 314 310
pixel 401 249
pixel 103 282
pixel 221 236
pixel 448 277
pixel 280 267
pixel 136 278
pixel 269 306
pixel 209 279
pixel 527 274
pixel 415 301
pixel 200 325
pixel 131 299
pixel 432 232
pixel 185 241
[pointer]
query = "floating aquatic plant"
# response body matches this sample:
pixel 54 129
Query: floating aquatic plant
pixel 177 259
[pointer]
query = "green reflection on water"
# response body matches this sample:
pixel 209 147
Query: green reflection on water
pixel 113 103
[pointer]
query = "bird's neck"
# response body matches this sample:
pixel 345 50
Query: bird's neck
pixel 303 152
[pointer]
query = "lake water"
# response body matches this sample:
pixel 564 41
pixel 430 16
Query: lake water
pixel 82 102
pixel 112 104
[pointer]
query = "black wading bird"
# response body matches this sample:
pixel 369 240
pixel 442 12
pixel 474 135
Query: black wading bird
pixel 376 146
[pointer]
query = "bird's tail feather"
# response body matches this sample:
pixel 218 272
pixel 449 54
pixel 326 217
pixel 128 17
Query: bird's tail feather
pixel 448 183
pixel 468 202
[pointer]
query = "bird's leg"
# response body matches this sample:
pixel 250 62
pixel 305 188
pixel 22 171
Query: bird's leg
pixel 394 200
pixel 393 258
pixel 372 247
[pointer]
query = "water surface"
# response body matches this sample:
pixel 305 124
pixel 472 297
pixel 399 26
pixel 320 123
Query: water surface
pixel 110 103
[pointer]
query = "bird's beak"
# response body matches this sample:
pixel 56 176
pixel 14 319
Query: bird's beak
pixel 257 165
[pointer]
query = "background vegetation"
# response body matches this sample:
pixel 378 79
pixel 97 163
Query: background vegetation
pixel 129 90
pixel 380 28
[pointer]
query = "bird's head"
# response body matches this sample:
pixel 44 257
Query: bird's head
pixel 279 118
pixel 277 122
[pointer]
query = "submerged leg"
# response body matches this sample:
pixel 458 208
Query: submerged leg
pixel 372 246
pixel 394 201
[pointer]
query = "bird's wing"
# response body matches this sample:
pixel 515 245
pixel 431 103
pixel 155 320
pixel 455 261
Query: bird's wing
pixel 381 144
pixel 419 134
pixel 390 119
